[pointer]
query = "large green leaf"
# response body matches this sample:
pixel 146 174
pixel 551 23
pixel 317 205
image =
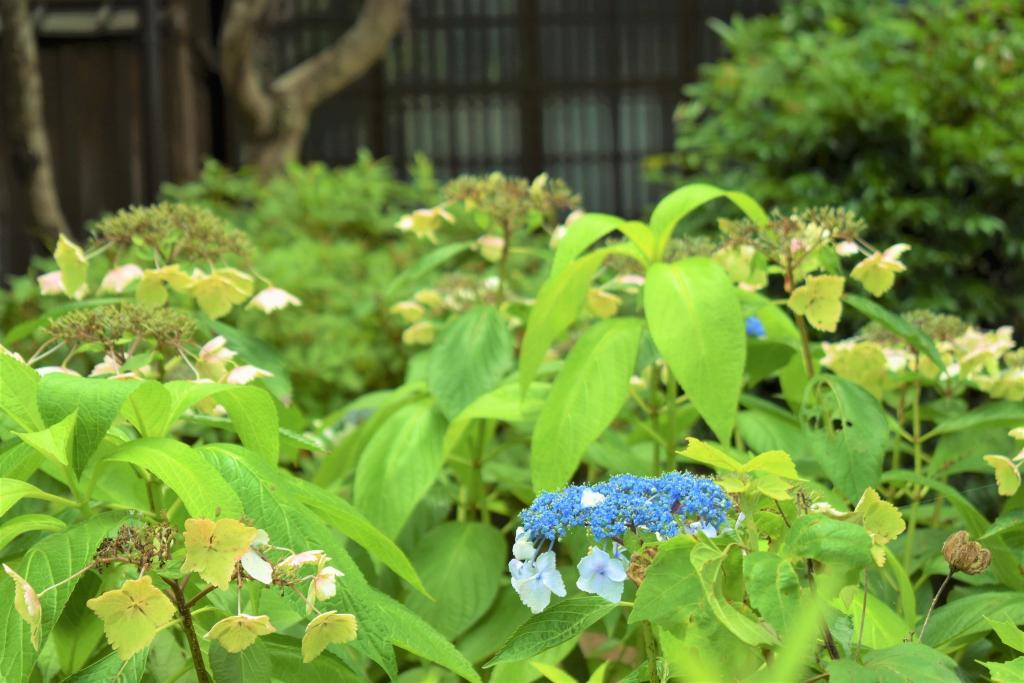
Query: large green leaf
pixel 681 203
pixel 670 587
pixel 504 403
pixel 696 322
pixel 993 414
pixel 774 589
pixel 462 565
pixel 399 465
pixel 98 402
pixel 828 540
pixel 56 441
pixel 26 523
pixel 564 620
pixel 964 619
pixel 585 398
pixel 707 561
pixel 470 358
pixel 904 663
pixel 19 384
pixel 580 235
pixel 111 668
pixel 50 561
pixel 251 665
pixel 203 492
pixel 848 432
pixel 13 490
pixel 897 325
pixel 558 304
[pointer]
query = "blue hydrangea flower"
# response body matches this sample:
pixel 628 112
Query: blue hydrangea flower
pixel 535 581
pixel 523 549
pixel 755 328
pixel 602 574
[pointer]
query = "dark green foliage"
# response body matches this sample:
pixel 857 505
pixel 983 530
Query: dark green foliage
pixel 327 235
pixel 907 112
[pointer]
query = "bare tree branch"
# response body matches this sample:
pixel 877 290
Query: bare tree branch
pixel 239 73
pixel 33 161
pixel 315 79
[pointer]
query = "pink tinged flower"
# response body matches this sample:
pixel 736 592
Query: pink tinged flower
pixel 491 247
pixel 108 366
pixel 273 299
pixel 300 559
pixel 26 604
pixel 216 351
pixel 243 374
pixel 118 279
pixel 602 574
pixel 254 564
pixel 323 585
pixel 847 248
pixel 51 283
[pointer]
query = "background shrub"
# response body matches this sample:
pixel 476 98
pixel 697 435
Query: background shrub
pixel 906 112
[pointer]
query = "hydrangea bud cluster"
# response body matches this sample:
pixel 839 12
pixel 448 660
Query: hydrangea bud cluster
pixel 663 506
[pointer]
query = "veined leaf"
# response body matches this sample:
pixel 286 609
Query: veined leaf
pixel 707 561
pixel 585 398
pixel 19 384
pixel 962 620
pixel 474 553
pixel 696 322
pixel 897 325
pixel 13 490
pixel 558 304
pixel 52 560
pixel 203 492
pixel 25 523
pixel 828 541
pixel 251 665
pixel 670 587
pixel 904 662
pixel 681 203
pixel 580 235
pixel 399 465
pixel 504 403
pixel 993 414
pixel 108 669
pixel 565 619
pixel 97 401
pixel 774 589
pixel 55 442
pixel 470 358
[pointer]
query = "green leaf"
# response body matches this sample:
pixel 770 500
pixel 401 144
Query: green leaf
pixel 585 398
pixel 74 268
pixel 708 560
pixel 696 322
pixel 828 540
pixel 340 514
pixel 19 384
pixel 111 668
pixel 774 589
pixel 681 203
pixel 504 403
pixel 259 353
pixel 98 402
pixel 13 490
pixel 251 665
pixel 26 523
pixel 897 325
pixel 1007 521
pixel 1006 672
pixel 425 265
pixel 288 667
pixel 559 302
pixel 469 359
pixel 706 454
pixel 670 587
pixel 1008 633
pixel 564 620
pixel 580 235
pixel 462 565
pixel 848 432
pixel 905 663
pixel 992 414
pixel 55 442
pixel 965 619
pixel 50 561
pixel 203 492
pixel 882 626
pixel 399 465
pixel 148 409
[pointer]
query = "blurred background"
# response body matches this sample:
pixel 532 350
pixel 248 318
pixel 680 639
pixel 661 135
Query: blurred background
pixel 314 124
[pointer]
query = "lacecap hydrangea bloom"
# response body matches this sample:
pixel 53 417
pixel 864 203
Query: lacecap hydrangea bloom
pixel 662 506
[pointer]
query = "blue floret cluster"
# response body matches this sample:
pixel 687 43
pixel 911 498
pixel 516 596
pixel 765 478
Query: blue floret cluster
pixel 666 506
pixel 628 503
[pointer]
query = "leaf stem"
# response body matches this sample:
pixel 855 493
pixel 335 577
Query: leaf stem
pixel 651 651
pixel 190 632
pixel 915 491
pixel 863 617
pixel 935 601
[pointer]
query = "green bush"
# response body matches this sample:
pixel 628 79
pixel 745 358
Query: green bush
pixel 328 236
pixel 906 112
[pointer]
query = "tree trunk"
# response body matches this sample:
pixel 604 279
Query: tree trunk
pixel 30 144
pixel 277 112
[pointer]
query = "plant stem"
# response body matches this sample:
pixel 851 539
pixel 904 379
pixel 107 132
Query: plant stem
pixel 190 631
pixel 915 492
pixel 805 345
pixel 863 616
pixel 76 491
pixel 652 385
pixel 935 601
pixel 651 651
pixel 830 642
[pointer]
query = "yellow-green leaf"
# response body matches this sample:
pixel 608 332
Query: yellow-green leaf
pixel 1009 633
pixel 239 632
pixel 772 462
pixel 701 452
pixel 55 442
pixel 326 629
pixel 132 615
pixel 213 548
pixel 878 272
pixel 217 292
pixel 1007 474
pixel 26 604
pixel 73 267
pixel 819 299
